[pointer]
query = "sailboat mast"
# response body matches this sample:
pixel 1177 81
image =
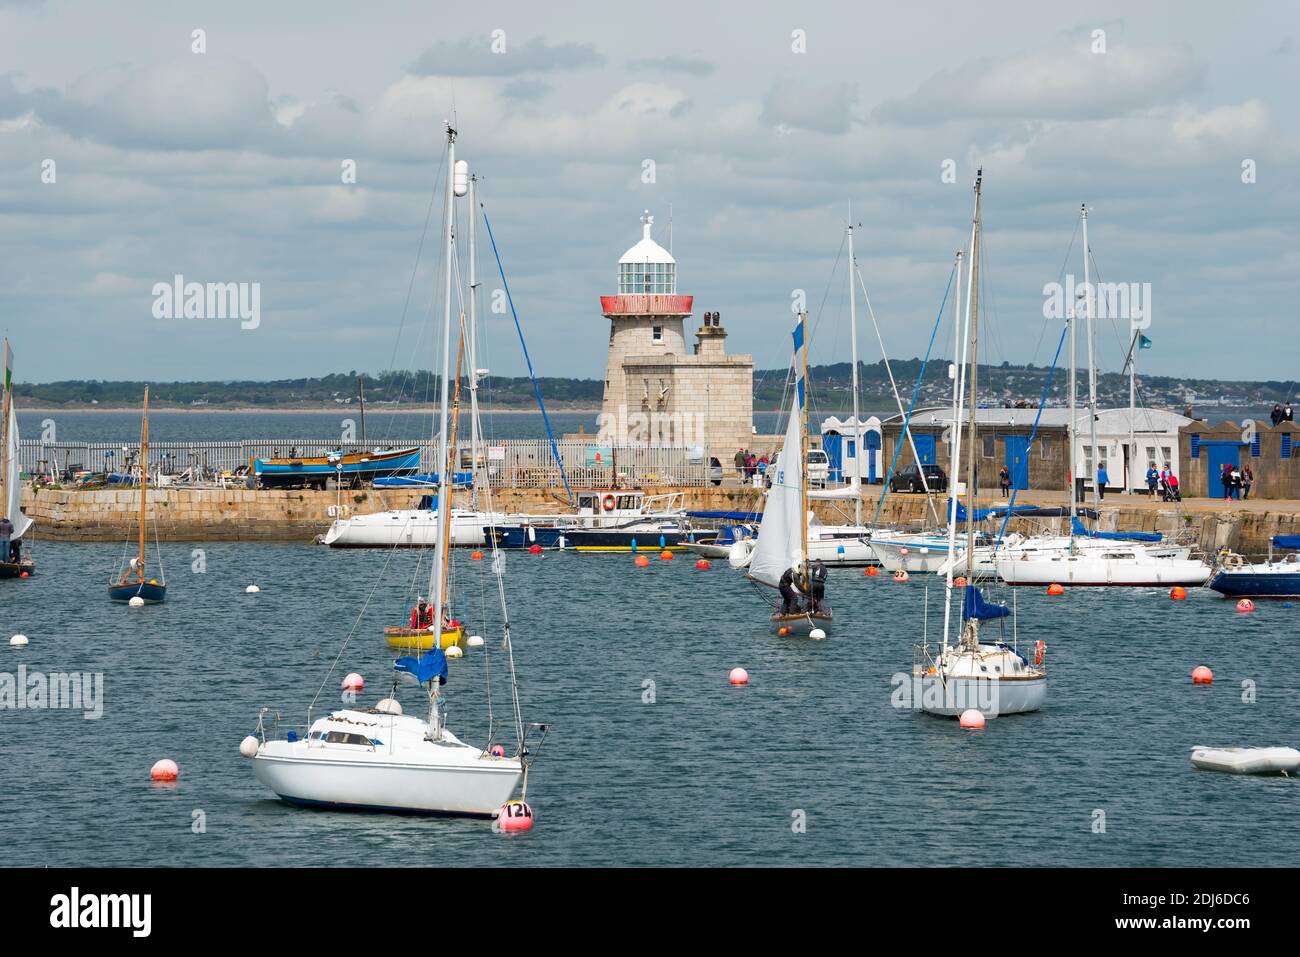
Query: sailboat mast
pixel 444 514
pixel 473 340
pixel 853 343
pixel 1073 429
pixel 972 306
pixel 803 447
pixel 4 445
pixel 958 379
pixel 144 476
pixel 361 395
pixel 1092 362
pixel 436 588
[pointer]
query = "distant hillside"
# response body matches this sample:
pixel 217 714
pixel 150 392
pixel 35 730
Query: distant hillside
pixel 998 385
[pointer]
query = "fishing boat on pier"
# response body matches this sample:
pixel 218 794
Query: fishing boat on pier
pixel 347 468
pixel 12 520
pixel 134 581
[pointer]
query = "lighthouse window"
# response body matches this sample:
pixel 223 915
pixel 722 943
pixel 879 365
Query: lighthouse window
pixel 657 333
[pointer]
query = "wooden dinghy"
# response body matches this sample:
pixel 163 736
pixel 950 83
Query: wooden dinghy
pixel 399 636
pixel 803 622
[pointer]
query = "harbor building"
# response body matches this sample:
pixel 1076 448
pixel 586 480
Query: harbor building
pixel 657 390
pixel 842 453
pixel 1271 451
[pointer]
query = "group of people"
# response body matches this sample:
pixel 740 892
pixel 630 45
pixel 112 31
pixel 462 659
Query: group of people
pixel 11 549
pixel 803 590
pixel 1163 481
pixel 1280 414
pixel 748 464
pixel 1237 481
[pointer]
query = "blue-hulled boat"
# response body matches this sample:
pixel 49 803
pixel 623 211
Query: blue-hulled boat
pixel 353 467
pixel 133 582
pixel 1275 578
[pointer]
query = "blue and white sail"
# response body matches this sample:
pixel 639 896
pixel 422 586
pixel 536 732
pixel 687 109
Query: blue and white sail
pixel 780 540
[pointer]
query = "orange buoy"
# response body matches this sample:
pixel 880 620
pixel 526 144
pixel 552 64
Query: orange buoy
pixel 476 556
pixel 1202 675
pixel 23 575
pixel 534 549
pixel 703 563
pixel 514 816
pixel 738 676
pixel 1178 593
pixel 1245 605
pixel 972 719
pixel 1056 588
pixel 164 770
pixel 642 561
pixel 900 576
pixel 783 631
pixel 665 556
pixel 497 751
pixel 871 571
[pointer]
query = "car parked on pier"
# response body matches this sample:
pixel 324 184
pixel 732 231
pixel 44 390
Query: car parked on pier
pixel 908 479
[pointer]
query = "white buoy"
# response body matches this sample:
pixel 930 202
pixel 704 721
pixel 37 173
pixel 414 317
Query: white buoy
pixel 18 641
pixel 136 602
pixel 816 634
pixel 474 641
pixel 454 652
pixel 251 590
pixel 388 706
pixel 248 747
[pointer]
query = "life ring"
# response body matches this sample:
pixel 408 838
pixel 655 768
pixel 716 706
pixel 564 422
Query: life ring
pixel 1040 647
pixel 1233 561
pixel 608 503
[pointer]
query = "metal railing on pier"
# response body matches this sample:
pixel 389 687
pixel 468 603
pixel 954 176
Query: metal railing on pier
pixel 515 463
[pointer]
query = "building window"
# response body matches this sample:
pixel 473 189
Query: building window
pixel 989 445
pixel 1196 445
pixel 1151 455
pixel 657 333
pixel 1286 445
pixel 1167 454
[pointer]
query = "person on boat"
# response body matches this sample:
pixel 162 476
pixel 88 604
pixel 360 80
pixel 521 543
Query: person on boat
pixel 6 533
pixel 817 578
pixel 421 614
pixel 1153 479
pixel 16 551
pixel 790 591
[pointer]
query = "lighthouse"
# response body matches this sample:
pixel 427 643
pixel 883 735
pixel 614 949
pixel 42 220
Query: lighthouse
pixel 657 392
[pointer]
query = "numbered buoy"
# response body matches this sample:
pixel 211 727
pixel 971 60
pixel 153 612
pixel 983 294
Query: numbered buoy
pixel 1245 605
pixel 354 682
pixel 900 576
pixel 474 641
pixel 497 751
pixel 18 641
pixel 136 602
pixel 1201 675
pixel 871 571
pixel 476 556
pixel 642 561
pixel 665 556
pixel 703 563
pixel 252 590
pixel 454 652
pixel 514 816
pixel 972 719
pixel 248 747
pixel 1056 588
pixel 739 676
pixel 816 634
pixel 534 549
pixel 1178 593
pixel 164 770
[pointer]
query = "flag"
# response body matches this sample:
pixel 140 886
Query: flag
pixel 1143 342
pixel 799 360
pixel 9 372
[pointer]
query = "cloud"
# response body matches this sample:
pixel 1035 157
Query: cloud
pixel 806 106
pixel 476 57
pixel 1065 82
pixel 697 66
pixel 527 90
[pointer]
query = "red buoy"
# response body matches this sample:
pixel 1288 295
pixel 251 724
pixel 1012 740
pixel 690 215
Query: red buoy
pixel 354 682
pixel 703 563
pixel 534 549
pixel 738 676
pixel 514 816
pixel 476 556
pixel 1202 675
pixel 1178 593
pixel 642 562
pixel 1245 605
pixel 1056 588
pixel 871 571
pixel 972 719
pixel 165 770
pixel 665 556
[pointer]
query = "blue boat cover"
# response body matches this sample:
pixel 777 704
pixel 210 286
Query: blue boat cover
pixel 432 664
pixel 974 605
pixel 1286 541
pixel 1080 529
pixel 729 516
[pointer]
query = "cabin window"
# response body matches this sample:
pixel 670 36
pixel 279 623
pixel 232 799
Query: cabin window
pixel 587 501
pixel 346 737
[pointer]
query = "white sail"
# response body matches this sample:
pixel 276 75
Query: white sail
pixel 13 488
pixel 779 532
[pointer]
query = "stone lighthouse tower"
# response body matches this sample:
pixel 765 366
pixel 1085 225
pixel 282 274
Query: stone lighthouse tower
pixel 656 391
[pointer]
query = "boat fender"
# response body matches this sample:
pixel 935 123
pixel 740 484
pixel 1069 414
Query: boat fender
pixel 608 503
pixel 1040 647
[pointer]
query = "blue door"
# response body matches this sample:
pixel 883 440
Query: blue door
pixel 872 442
pixel 1018 459
pixel 925 448
pixel 1217 455
pixel 832 444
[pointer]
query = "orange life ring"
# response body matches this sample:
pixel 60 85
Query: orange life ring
pixel 1040 647
pixel 608 503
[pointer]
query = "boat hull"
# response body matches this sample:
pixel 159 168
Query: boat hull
pixel 618 540
pixel 803 623
pixel 151 592
pixel 317 470
pixel 1257 584
pixel 422 638
pixel 991 697
pixel 16 569
pixel 404 528
pixel 1090 571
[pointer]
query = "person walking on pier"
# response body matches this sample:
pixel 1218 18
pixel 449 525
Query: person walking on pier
pixel 1004 480
pixel 1153 479
pixel 740 464
pixel 1102 480
pixel 1247 480
pixel 1225 479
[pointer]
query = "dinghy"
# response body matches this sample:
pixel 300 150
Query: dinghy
pixel 1247 760
pixel 132 583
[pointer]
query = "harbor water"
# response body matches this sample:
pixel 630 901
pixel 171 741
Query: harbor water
pixel 653 759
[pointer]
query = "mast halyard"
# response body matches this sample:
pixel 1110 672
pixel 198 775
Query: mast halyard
pixel 444 514
pixel 144 479
pixel 4 439
pixel 473 341
pixel 1092 363
pixel 853 344
pixel 958 383
pixel 972 305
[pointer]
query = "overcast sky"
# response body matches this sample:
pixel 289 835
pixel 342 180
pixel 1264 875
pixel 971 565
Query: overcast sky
pixel 225 166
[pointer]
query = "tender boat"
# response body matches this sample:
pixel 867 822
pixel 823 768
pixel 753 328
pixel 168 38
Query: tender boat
pixel 1284 761
pixel 1275 578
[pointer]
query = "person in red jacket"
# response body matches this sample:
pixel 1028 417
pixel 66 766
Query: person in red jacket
pixel 421 615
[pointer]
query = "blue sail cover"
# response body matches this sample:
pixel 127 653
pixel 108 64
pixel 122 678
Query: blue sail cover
pixel 1000 510
pixel 432 664
pixel 1079 528
pixel 1286 541
pixel 974 605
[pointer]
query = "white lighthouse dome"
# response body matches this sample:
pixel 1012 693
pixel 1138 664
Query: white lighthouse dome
pixel 647 267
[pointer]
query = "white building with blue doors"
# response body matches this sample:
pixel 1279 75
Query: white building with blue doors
pixel 842 450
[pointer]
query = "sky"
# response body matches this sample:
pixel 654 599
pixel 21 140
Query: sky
pixel 128 156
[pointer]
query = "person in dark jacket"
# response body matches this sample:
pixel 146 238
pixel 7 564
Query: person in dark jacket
pixel 1225 478
pixel 817 576
pixel 1004 480
pixel 6 533
pixel 790 594
pixel 1276 414
pixel 1153 479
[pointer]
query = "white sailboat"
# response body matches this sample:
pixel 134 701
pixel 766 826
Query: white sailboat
pixel 782 541
pixel 1097 558
pixel 976 672
pixel 379 758
pixel 12 562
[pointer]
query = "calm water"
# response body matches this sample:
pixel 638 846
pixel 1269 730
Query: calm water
pixel 706 775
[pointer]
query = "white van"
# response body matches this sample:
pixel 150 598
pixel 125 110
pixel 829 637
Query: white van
pixel 818 468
